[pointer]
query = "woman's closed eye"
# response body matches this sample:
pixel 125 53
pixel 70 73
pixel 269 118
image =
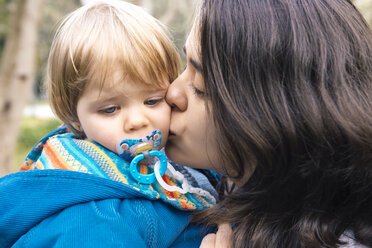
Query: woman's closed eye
pixel 109 110
pixel 197 92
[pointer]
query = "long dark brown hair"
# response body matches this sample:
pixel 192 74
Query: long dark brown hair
pixel 290 85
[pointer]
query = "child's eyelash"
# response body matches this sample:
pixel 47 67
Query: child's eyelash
pixel 153 101
pixel 109 110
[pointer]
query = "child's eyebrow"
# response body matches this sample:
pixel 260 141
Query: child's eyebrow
pixel 193 62
pixel 104 98
pixel 154 91
pixel 118 95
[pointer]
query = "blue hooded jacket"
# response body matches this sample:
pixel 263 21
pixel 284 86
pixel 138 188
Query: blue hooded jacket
pixel 57 208
pixel 63 208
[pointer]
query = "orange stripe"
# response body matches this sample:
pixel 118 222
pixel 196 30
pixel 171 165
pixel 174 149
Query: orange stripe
pixel 143 169
pixel 27 165
pixel 185 206
pixel 54 157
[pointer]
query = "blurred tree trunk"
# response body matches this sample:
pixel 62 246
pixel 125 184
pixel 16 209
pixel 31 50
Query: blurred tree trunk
pixel 17 68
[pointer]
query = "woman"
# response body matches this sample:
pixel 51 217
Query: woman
pixel 277 96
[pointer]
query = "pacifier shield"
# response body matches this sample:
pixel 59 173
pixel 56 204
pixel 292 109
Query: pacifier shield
pixel 129 148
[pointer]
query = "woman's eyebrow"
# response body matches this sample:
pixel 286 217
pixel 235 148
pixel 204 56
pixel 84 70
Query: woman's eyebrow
pixel 195 64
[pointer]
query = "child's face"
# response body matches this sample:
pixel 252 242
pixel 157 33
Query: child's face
pixel 124 111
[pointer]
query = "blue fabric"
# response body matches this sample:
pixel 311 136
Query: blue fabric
pixel 60 208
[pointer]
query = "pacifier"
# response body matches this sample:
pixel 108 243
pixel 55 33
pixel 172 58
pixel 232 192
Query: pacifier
pixel 135 150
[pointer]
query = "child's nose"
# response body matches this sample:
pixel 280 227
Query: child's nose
pixel 135 121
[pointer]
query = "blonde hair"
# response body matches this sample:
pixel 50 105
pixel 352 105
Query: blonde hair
pixel 94 40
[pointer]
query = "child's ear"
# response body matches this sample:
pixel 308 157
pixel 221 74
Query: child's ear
pixel 77 126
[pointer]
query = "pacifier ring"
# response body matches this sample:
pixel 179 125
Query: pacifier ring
pixel 149 178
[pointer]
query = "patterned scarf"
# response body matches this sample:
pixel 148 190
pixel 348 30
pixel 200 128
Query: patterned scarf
pixel 62 150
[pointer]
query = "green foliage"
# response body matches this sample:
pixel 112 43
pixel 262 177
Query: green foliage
pixel 31 131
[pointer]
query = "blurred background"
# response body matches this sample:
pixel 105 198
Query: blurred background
pixel 26 32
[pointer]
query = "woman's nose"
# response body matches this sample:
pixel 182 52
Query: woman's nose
pixel 176 95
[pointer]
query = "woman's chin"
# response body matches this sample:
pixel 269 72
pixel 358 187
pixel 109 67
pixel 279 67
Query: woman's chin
pixel 172 152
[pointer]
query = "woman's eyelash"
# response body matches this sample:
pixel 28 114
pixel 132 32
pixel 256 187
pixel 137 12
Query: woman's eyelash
pixel 198 92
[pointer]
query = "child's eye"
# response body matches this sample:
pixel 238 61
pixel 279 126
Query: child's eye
pixel 152 102
pixel 109 110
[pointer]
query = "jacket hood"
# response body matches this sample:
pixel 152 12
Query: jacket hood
pixel 28 197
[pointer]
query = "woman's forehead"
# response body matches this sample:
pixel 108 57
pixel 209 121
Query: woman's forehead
pixel 192 45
